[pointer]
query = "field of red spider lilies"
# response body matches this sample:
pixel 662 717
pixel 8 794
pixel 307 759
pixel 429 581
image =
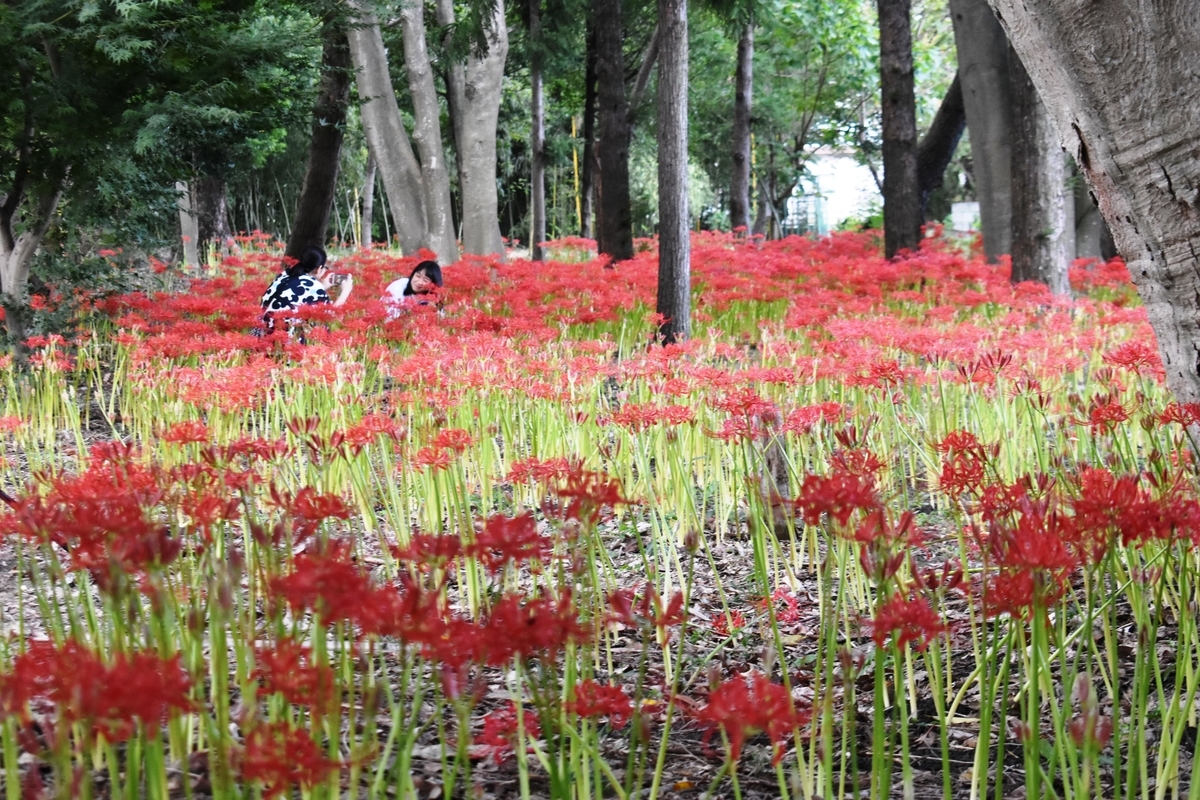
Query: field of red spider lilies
pixel 878 529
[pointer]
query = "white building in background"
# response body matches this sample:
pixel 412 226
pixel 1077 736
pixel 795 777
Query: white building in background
pixel 837 188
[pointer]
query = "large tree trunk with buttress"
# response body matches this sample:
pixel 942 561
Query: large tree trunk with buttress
pixel 901 195
pixel 324 149
pixel 473 91
pixel 385 134
pixel 1122 84
pixel 983 68
pixel 674 221
pixel 1040 219
pixel 537 134
pixel 427 134
pixel 743 88
pixel 614 218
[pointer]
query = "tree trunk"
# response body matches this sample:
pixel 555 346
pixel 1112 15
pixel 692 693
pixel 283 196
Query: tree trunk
pixel 1039 219
pixel 1089 225
pixel 189 230
pixel 587 183
pixel 940 141
pixel 901 196
pixel 743 87
pixel 324 149
pixel 674 247
pixel 385 133
pixel 212 215
pixel 427 135
pixel 983 67
pixel 649 57
pixel 537 135
pixel 17 251
pixel 1120 82
pixel 367 224
pixel 614 223
pixel 473 91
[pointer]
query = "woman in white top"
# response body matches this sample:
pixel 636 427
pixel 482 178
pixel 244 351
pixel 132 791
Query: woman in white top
pixel 426 277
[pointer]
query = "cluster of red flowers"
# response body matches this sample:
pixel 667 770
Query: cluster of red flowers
pixel 744 706
pixel 109 697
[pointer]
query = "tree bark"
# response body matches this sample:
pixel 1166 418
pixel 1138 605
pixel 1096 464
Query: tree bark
pixel 743 88
pixel 537 135
pixel 1039 219
pixel 427 134
pixel 674 221
pixel 587 183
pixel 385 134
pixel 367 223
pixel 189 230
pixel 614 223
pixel 901 197
pixel 940 141
pixel 17 250
pixel 983 68
pixel 473 89
pixel 324 149
pixel 212 215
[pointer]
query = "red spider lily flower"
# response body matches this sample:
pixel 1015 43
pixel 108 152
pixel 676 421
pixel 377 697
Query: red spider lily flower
pixel 742 707
pixel 727 624
pixel 325 582
pixel 279 755
pixel 432 457
pixel 745 402
pixel 429 551
pixel 589 493
pixel 803 420
pixel 905 620
pixel 501 732
pixel 311 506
pixel 856 461
pixel 454 439
pixel 287 667
pixel 541 471
pixel 1185 414
pixel 789 612
pixel 109 698
pixel 647 609
pixel 594 699
pixel 839 495
pixel 1105 413
pixel 1137 357
pixel 962 472
pixel 509 540
pixel 190 432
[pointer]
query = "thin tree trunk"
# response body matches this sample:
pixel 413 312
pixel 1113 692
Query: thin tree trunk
pixel 189 230
pixel 743 88
pixel 983 67
pixel 367 224
pixel 427 134
pixel 17 251
pixel 614 228
pixel 1039 220
pixel 324 149
pixel 537 135
pixel 587 184
pixel 212 215
pixel 674 246
pixel 940 141
pixel 385 134
pixel 901 197
pixel 649 58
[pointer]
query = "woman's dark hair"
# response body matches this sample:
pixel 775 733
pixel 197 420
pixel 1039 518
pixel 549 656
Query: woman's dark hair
pixel 312 259
pixel 431 270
